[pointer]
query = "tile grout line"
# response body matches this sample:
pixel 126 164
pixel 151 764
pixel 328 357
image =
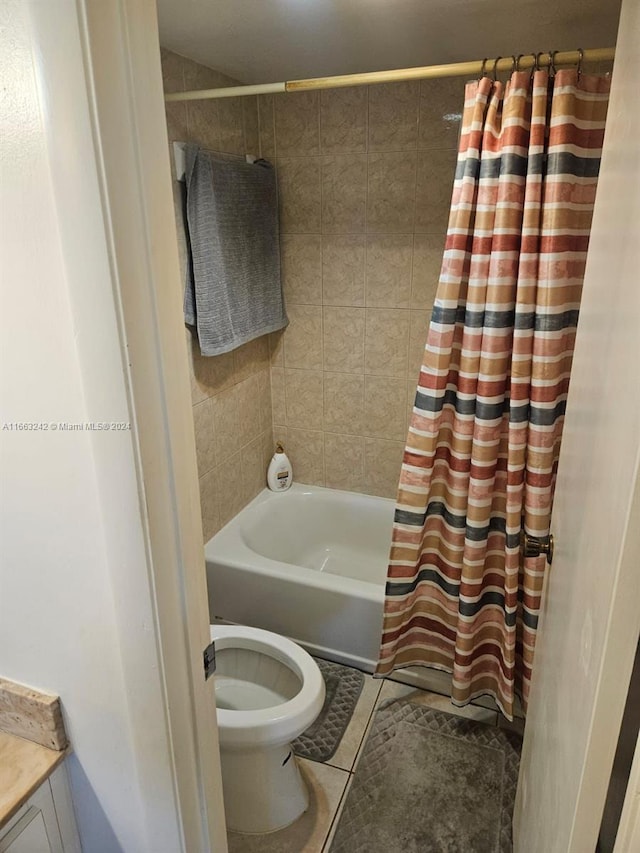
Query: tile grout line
pixel 349 153
pixel 335 818
pixel 322 347
pixel 322 301
pixel 365 730
pixel 351 772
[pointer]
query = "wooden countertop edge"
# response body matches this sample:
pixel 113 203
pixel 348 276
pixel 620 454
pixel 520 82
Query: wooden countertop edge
pixel 11 804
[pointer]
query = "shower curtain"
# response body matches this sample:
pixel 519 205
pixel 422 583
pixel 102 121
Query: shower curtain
pixel 481 454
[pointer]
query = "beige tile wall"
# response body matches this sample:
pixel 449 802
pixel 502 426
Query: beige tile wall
pixel 231 393
pixel 365 179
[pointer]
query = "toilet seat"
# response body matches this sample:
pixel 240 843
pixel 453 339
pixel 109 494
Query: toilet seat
pixel 279 723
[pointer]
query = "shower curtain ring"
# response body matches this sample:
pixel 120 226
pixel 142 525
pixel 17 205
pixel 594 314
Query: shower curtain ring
pixel 518 58
pixel 494 70
pixel 581 55
pixel 552 62
pixel 514 63
pixel 483 70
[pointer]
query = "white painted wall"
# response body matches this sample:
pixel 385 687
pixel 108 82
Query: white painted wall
pixel 75 592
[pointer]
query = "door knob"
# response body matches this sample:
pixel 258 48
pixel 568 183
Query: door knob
pixel 532 546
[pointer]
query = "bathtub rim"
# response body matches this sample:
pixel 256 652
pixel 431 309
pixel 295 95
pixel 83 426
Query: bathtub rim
pixel 228 547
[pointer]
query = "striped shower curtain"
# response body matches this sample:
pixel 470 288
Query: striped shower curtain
pixel 480 460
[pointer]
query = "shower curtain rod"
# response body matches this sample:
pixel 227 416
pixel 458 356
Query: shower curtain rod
pixel 456 69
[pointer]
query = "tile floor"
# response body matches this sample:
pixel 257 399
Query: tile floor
pixel 328 783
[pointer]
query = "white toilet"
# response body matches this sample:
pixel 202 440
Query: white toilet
pixel 268 691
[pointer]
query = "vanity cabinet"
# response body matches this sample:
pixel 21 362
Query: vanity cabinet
pixel 45 823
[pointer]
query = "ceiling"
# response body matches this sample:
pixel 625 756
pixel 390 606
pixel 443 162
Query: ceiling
pixel 261 41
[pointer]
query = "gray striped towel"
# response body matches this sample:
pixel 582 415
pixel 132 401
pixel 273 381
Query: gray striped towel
pixel 233 291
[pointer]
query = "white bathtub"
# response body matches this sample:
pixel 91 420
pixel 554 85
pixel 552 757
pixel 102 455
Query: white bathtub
pixel 309 563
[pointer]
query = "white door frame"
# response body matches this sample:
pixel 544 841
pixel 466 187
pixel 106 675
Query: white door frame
pixel 122 61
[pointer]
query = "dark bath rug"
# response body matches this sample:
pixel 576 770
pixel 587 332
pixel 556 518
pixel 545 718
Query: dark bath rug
pixel 343 687
pixel 430 782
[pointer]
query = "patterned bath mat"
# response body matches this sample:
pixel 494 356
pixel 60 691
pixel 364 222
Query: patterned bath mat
pixel 430 781
pixel 343 687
